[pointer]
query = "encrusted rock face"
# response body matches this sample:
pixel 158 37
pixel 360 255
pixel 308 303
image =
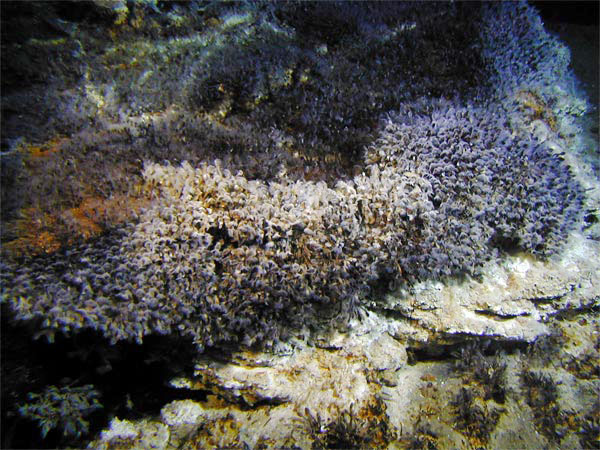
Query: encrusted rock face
pixel 223 258
pixel 328 218
pixel 306 395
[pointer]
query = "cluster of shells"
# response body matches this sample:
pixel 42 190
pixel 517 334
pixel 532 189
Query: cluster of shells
pixel 221 257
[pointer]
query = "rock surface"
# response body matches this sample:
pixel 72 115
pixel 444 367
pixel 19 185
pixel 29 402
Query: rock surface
pixel 501 353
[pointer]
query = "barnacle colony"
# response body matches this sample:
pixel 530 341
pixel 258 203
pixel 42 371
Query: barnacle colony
pixel 220 256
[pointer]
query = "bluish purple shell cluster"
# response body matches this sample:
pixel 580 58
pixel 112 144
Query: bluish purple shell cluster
pixel 222 256
pixel 489 189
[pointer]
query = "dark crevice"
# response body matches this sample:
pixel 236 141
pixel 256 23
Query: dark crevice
pixel 131 378
pixel 590 218
pixel 506 244
pixel 391 313
pixel 246 405
pixel 220 234
pixel 497 316
pixel 432 352
pixel 569 314
pixel 546 299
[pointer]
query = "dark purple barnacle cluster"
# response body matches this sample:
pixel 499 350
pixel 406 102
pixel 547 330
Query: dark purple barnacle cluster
pixel 220 258
pixel 521 53
pixel 489 189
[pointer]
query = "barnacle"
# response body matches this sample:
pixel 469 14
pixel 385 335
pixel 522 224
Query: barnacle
pixel 328 174
pixel 590 430
pixel 475 421
pixel 64 407
pixel 349 429
pixel 542 395
pixel 488 371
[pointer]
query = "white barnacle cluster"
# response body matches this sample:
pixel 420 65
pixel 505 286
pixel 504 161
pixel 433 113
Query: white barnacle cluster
pixel 440 194
pixel 241 253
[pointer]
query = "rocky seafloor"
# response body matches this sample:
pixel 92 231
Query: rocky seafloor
pixel 298 225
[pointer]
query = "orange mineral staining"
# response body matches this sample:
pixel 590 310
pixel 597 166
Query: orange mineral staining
pixel 41 233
